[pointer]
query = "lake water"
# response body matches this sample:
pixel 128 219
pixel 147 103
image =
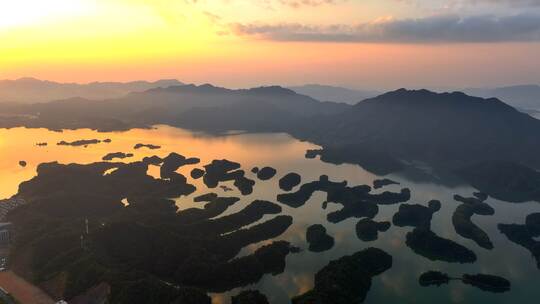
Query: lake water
pixel 286 154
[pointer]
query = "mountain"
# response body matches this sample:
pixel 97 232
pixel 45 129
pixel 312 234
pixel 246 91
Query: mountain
pixel 335 94
pixel 30 90
pixel 526 97
pixel 178 99
pixel 188 106
pixel 447 130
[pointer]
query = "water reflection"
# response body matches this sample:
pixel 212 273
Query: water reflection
pixel 398 284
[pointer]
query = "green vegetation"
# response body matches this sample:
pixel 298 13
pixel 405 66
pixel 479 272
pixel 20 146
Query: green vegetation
pixel 147 251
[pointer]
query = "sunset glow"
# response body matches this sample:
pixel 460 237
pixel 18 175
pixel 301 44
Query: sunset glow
pixel 230 42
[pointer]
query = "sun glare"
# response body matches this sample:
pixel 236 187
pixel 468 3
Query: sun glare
pixel 28 12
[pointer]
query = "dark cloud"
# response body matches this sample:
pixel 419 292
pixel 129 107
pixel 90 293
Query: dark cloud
pixel 511 2
pixel 437 29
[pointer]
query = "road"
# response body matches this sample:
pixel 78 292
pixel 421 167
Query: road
pixel 22 290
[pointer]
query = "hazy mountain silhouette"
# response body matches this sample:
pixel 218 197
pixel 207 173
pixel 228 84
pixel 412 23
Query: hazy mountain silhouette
pixel 526 97
pixel 448 130
pixel 205 106
pixel 335 94
pixel 178 99
pixel 31 90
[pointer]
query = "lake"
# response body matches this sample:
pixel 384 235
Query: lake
pixel 286 154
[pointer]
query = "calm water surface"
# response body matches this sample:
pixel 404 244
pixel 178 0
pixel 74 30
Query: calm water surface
pixel 397 285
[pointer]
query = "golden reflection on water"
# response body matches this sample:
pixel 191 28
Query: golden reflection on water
pixel 20 144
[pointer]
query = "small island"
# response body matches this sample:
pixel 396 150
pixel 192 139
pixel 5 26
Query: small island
pixel 119 155
pixel 368 230
pixel 348 279
pixel 484 282
pixel 416 215
pixel 224 170
pixel 429 245
pixel 436 278
pixel 318 239
pixel 79 143
pixel 149 146
pixel 266 173
pixel 461 219
pixel 173 162
pixel 524 235
pixel 289 181
pixel 197 173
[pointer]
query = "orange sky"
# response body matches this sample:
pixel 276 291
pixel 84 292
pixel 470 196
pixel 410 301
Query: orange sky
pixel 199 41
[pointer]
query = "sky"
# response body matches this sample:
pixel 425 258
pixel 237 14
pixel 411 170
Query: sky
pixel 241 43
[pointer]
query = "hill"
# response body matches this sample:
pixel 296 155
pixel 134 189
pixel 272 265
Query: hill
pixel 213 106
pixel 447 130
pixel 526 97
pixel 31 90
pixel 335 94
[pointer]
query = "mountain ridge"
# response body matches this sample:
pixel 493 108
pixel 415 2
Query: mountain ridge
pixel 334 93
pixel 32 90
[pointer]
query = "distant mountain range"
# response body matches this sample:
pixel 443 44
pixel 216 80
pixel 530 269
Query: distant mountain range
pixel 383 134
pixel 31 90
pixel 525 97
pixel 335 94
pixel 198 107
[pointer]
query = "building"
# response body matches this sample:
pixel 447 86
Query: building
pixel 7 205
pixel 5 233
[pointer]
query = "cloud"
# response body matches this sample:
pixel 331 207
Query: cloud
pixel 511 2
pixel 451 3
pixel 436 29
pixel 300 3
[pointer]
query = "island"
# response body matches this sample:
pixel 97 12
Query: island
pixel 149 146
pixel 173 162
pixel 429 245
pixel 197 173
pixel 347 279
pixel 484 282
pixel 461 219
pixel 416 215
pixel 119 155
pixel 368 230
pixel 266 173
pixel 79 143
pixel 524 235
pixel 224 170
pixel 289 181
pixel 357 201
pixel 431 277
pixel 318 239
